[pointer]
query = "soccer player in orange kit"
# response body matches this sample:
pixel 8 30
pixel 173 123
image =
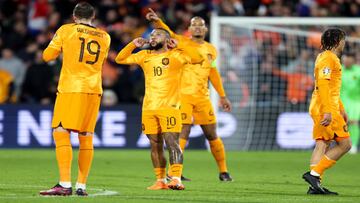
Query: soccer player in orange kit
pixel 161 116
pixel 196 106
pixel 84 50
pixel 327 111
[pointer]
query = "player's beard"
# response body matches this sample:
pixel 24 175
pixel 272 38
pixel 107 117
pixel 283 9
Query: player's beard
pixel 198 36
pixel 158 46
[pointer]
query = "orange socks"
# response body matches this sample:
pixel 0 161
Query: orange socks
pixel 176 170
pixel 63 154
pixel 323 164
pixel 182 143
pixel 160 173
pixel 86 154
pixel 218 151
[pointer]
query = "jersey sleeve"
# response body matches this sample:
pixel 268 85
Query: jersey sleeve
pixel 125 56
pixel 215 80
pixel 162 25
pixel 214 76
pixel 323 83
pixel 325 68
pixel 55 46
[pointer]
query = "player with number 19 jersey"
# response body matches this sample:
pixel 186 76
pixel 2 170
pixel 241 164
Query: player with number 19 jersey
pixel 84 50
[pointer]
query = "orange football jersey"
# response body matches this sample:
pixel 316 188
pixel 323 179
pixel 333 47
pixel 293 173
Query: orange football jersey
pixel 163 72
pixel 196 76
pixel 84 50
pixel 326 95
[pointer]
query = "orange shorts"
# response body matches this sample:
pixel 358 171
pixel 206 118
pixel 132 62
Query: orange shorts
pixel 76 111
pixel 161 121
pixel 197 110
pixel 337 127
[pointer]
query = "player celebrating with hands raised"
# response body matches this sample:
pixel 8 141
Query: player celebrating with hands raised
pixel 161 116
pixel 196 106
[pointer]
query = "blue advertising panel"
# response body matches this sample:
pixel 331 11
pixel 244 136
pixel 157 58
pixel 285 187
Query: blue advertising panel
pixel 29 126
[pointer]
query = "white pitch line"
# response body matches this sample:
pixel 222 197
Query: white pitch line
pixel 99 192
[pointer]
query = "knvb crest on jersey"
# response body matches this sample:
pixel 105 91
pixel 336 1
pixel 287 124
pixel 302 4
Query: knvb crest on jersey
pixel 165 61
pixel 326 71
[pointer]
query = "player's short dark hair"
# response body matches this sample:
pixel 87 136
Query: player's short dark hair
pixel 84 10
pixel 166 32
pixel 331 38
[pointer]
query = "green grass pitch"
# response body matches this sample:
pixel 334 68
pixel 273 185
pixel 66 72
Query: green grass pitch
pixel 259 177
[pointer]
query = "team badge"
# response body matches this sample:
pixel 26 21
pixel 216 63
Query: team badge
pixel 326 71
pixel 183 116
pixel 211 113
pixel 165 61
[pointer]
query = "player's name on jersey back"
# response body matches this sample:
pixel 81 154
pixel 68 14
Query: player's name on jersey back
pixel 90 32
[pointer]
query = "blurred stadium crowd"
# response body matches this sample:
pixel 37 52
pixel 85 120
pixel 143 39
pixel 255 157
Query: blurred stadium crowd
pixel 27 26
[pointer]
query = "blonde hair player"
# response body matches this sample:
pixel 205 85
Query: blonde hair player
pixel 84 49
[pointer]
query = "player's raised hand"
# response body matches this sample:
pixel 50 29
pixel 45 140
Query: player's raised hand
pixel 172 43
pixel 140 42
pixel 326 119
pixel 225 104
pixel 152 16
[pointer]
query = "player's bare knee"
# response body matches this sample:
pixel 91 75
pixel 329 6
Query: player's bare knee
pixel 209 131
pixel 185 132
pixel 348 146
pixel 211 137
pixel 345 145
pixel 321 145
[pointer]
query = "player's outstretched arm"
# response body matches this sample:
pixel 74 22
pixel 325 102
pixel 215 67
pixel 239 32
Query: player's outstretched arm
pixel 215 80
pixel 158 23
pixel 125 56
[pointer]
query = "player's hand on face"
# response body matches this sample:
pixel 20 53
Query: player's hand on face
pixel 172 43
pixel 326 119
pixel 152 16
pixel 225 104
pixel 140 42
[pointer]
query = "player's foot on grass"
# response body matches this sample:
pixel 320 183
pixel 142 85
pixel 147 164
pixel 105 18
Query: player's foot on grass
pixel 175 184
pixel 183 178
pixel 168 178
pixel 314 182
pixel 81 192
pixel 312 191
pixel 225 176
pixel 158 185
pixel 57 190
